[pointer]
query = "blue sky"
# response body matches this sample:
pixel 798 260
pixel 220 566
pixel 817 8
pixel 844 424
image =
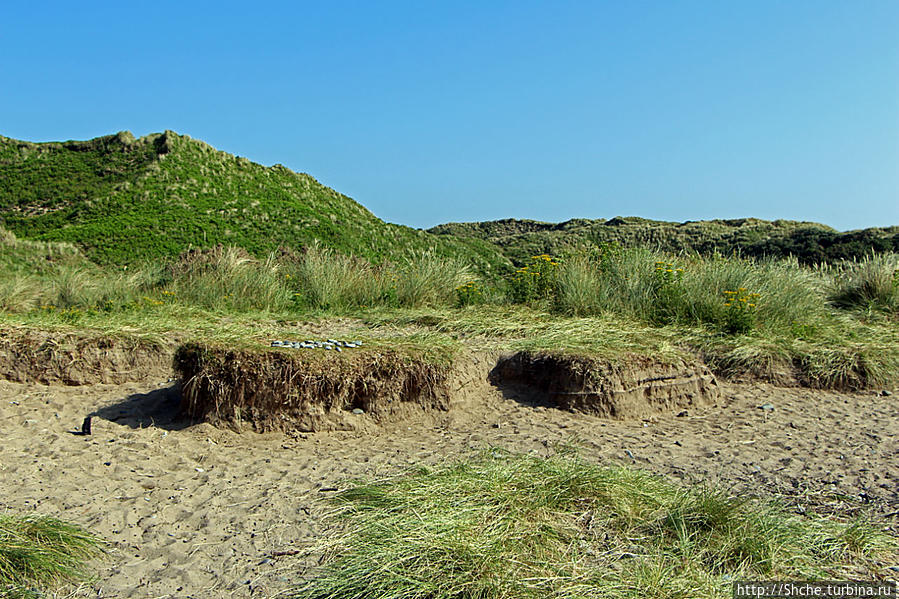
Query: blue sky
pixel 429 112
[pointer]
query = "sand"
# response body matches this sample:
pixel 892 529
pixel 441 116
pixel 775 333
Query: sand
pixel 196 511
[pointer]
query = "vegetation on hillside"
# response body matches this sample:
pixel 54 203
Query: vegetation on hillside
pixel 122 199
pixel 506 526
pixel 810 243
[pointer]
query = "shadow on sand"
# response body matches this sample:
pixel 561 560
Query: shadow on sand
pixel 160 408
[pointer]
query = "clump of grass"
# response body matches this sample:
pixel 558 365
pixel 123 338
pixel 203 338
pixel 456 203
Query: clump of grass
pixel 229 278
pixel 871 283
pixel 42 552
pixel 18 293
pixel 325 279
pixel 429 279
pixel 506 526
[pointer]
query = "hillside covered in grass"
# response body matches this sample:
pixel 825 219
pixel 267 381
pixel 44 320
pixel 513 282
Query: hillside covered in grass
pixel 120 199
pixel 810 243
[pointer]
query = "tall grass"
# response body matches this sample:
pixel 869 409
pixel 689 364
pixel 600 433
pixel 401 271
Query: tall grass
pixel 507 526
pixel 826 326
pixel 687 290
pixel 19 293
pixel 39 551
pixel 229 278
pixel 325 279
pixel 428 279
pixel 871 283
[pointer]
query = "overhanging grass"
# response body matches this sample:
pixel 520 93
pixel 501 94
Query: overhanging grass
pixel 508 526
pixel 41 552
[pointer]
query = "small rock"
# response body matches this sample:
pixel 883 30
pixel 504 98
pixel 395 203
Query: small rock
pixel 358 411
pixel 198 469
pixel 767 407
pixel 683 413
pixel 885 393
pixel 266 561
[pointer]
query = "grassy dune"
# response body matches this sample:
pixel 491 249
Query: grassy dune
pixel 167 239
pixel 832 326
pixel 122 199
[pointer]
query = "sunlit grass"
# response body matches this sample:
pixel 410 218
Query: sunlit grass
pixel 40 552
pixel 509 526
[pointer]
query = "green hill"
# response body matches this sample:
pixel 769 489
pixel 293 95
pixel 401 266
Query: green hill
pixel 121 199
pixel 810 242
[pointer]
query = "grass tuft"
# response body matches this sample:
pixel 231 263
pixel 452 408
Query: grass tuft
pixel 506 526
pixel 42 552
pixel 871 283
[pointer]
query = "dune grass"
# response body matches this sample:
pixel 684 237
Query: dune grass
pixel 830 326
pixel 40 552
pixel 510 526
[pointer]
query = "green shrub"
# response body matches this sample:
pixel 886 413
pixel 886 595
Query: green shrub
pixel 469 294
pixel 691 291
pixel 534 281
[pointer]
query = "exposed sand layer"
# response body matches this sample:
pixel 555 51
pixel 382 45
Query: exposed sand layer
pixel 28 355
pixel 196 511
pixel 637 387
pixel 306 391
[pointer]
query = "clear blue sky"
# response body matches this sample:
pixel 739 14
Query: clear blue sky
pixel 431 112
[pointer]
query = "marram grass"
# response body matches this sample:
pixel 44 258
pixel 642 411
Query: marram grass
pixel 40 552
pixel 510 526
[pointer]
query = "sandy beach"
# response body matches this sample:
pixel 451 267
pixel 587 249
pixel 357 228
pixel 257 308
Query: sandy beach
pixel 191 510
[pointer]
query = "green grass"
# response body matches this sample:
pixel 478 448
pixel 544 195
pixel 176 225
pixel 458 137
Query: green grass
pixel 611 305
pixel 39 552
pixel 509 526
pixel 869 284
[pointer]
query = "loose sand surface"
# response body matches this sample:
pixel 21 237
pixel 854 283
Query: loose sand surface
pixel 195 511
